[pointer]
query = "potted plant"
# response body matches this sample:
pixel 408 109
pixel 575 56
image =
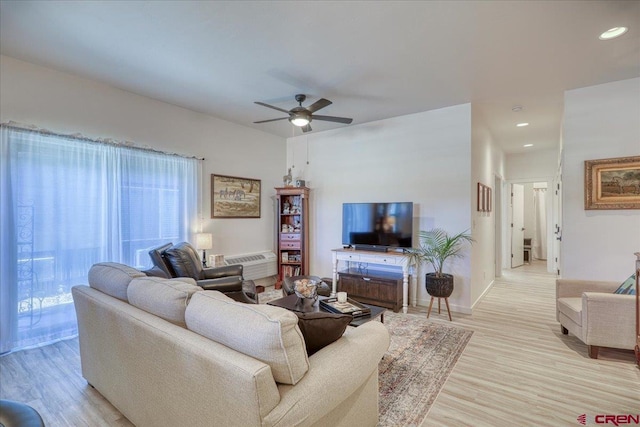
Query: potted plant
pixel 436 247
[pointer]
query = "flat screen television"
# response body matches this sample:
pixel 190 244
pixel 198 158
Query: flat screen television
pixel 377 226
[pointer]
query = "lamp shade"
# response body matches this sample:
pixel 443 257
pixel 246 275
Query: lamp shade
pixel 204 241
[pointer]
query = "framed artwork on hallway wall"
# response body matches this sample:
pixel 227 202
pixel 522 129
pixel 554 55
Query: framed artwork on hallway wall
pixel 235 197
pixel 612 183
pixel 484 198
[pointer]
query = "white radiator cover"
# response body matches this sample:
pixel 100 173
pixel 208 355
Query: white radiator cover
pixel 256 265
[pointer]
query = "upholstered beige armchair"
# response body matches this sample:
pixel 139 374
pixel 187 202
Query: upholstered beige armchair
pixel 593 313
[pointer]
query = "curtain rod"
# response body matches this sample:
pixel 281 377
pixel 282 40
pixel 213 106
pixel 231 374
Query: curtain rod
pixel 79 137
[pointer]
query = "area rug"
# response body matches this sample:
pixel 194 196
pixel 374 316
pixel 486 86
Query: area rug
pixel 420 358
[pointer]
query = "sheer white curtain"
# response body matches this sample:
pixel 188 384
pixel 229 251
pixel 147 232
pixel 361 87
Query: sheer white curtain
pixel 67 204
pixel 539 242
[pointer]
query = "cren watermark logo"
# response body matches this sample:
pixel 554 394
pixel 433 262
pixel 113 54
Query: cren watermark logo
pixel 615 420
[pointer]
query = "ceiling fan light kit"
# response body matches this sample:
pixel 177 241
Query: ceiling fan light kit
pixel 301 116
pixel 300 119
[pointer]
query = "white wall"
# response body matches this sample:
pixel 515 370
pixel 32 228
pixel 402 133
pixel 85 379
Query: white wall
pixel 66 103
pixel 599 122
pixel 487 164
pixel 423 158
pixel 540 165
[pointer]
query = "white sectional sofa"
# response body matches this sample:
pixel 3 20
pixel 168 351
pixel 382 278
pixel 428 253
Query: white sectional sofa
pixel 139 349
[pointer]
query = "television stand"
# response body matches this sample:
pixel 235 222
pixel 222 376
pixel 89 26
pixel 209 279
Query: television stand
pixel 379 258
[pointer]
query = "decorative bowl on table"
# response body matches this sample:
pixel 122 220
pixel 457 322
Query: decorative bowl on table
pixel 306 289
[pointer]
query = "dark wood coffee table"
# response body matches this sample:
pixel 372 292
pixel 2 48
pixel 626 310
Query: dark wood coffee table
pixel 293 303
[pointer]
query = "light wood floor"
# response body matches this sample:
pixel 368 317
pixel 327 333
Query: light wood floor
pixel 517 370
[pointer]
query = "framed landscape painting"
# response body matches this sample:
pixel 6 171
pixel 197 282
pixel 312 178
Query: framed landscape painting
pixel 234 197
pixel 612 183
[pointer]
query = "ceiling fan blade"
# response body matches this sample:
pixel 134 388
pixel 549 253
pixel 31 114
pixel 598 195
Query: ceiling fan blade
pixel 333 119
pixel 271 106
pixel 272 120
pixel 320 103
pixel 306 128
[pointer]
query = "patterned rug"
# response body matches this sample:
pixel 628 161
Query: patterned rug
pixel 420 358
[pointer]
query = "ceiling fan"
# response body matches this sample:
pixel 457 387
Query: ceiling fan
pixel 301 116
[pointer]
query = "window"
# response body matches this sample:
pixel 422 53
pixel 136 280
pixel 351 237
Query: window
pixel 67 204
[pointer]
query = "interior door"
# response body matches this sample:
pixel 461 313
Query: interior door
pixel 517 225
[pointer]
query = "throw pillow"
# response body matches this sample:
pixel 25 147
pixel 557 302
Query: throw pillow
pixel 321 329
pixel 628 287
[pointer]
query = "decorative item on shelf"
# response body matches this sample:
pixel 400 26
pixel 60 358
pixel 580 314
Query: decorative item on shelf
pixel 287 179
pixel 286 208
pixel 204 241
pixel 436 247
pixel 284 256
pixel 300 183
pixel 306 289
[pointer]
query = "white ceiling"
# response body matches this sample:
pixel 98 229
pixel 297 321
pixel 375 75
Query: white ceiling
pixel 374 60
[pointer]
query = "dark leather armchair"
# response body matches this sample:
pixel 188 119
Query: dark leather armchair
pixel 288 285
pixel 182 260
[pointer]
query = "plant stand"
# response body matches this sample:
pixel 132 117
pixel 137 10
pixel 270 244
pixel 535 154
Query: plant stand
pixel 446 301
pixel 439 287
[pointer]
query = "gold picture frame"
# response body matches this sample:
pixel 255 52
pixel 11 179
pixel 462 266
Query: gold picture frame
pixel 235 197
pixel 612 183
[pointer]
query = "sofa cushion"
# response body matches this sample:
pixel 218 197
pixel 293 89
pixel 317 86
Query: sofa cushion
pixel 113 278
pixel 572 308
pixel 166 298
pixel 628 287
pixel 321 329
pixel 269 334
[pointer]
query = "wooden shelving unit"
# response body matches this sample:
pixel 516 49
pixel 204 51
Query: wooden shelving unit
pixel 293 231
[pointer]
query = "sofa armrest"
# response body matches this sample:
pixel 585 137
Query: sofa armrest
pixel 567 288
pixel 609 320
pixel 335 373
pixel 218 272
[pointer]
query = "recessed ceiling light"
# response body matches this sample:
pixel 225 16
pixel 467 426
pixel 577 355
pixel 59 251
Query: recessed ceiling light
pixel 612 33
pixel 520 125
pixel 516 108
pixel 528 145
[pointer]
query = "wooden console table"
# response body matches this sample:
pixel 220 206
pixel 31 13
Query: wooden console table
pixel 396 259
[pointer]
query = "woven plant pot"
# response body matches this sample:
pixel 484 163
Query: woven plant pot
pixel 439 287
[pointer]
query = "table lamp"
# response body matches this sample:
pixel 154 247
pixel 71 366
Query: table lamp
pixel 204 241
